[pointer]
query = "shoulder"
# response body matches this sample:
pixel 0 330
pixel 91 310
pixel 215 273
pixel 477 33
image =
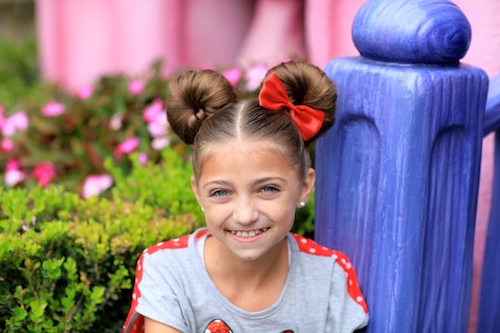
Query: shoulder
pixel 306 245
pixel 168 255
pixel 343 271
pixel 161 273
pixel 174 244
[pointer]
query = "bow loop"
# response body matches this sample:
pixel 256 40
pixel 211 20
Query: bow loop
pixel 273 96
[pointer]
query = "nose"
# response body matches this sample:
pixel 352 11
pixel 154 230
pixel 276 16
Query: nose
pixel 245 211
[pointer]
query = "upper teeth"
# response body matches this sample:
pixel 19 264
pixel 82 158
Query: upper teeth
pixel 248 234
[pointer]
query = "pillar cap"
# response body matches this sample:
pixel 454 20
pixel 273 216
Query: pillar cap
pixel 412 31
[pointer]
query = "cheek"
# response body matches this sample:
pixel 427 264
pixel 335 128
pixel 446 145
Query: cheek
pixel 216 214
pixel 280 211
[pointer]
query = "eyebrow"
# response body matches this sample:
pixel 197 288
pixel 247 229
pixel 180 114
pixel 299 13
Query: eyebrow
pixel 257 182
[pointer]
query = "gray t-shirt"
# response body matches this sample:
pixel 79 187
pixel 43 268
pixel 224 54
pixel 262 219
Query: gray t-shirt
pixel 321 293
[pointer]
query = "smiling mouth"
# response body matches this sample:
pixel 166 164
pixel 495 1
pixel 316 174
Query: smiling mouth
pixel 249 234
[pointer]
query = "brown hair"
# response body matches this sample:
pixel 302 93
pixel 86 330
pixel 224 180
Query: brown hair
pixel 202 109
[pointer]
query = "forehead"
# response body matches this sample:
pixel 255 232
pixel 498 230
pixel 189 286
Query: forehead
pixel 242 157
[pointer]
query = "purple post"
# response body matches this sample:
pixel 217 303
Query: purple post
pixel 398 174
pixel 489 306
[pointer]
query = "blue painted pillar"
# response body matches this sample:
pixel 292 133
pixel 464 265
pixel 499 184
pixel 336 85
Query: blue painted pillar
pixel 489 304
pixel 398 174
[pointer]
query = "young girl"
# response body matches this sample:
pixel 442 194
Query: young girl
pixel 246 272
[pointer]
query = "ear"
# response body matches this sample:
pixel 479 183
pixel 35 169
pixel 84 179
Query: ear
pixel 307 185
pixel 194 186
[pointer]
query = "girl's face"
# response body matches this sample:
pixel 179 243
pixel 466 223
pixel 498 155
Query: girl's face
pixel 249 193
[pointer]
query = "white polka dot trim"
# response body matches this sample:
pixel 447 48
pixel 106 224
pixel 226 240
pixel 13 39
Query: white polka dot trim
pixel 359 299
pixel 348 265
pixel 159 244
pixel 303 240
pixel 312 250
pixel 134 296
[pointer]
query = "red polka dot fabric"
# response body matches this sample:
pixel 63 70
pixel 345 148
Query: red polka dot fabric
pixel 309 246
pixel 137 326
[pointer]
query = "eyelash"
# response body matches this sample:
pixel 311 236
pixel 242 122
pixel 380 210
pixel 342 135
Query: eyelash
pixel 219 193
pixel 265 189
pixel 269 188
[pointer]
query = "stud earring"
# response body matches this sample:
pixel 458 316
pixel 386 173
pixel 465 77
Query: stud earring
pixel 203 209
pixel 302 204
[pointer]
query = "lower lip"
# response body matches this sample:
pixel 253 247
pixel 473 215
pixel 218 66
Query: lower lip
pixel 247 239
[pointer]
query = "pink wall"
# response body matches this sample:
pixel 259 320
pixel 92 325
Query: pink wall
pixel 83 39
pixel 328 31
pixel 79 39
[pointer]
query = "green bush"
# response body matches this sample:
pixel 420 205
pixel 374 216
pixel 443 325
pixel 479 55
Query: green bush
pixel 67 264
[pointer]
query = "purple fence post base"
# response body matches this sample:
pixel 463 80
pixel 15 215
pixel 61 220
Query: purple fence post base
pixel 489 308
pixel 398 177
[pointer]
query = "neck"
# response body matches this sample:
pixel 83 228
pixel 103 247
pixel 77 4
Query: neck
pixel 251 285
pixel 220 260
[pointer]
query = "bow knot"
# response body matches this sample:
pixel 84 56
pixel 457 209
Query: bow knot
pixel 273 96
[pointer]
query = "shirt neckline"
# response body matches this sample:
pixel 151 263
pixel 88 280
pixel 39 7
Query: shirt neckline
pixel 212 288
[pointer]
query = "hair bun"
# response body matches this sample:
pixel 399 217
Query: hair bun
pixel 307 84
pixel 195 96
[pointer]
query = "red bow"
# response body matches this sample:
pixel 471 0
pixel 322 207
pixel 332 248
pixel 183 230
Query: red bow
pixel 273 96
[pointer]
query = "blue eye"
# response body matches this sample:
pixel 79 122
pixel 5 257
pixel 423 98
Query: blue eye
pixel 219 193
pixel 269 189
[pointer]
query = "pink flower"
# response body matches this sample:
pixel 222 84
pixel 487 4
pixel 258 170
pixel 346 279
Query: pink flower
pixel 143 158
pixel 126 147
pixel 116 122
pixel 13 177
pixel 153 111
pixel 136 87
pixel 8 128
pixel 25 227
pixel 254 77
pixel 44 172
pixel 12 164
pixel 53 109
pixel 159 126
pixel 6 145
pixel 96 184
pixel 160 143
pixel 85 91
pixel 13 174
pixel 233 76
pixel 17 121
